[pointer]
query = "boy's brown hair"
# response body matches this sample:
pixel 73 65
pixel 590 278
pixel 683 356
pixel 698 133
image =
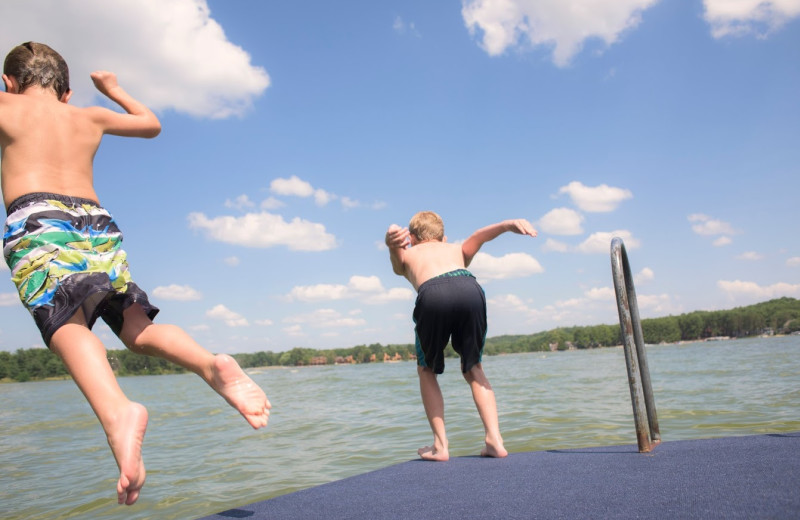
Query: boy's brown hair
pixel 426 225
pixel 34 63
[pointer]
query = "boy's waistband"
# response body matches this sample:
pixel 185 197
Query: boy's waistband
pixel 38 196
pixel 445 276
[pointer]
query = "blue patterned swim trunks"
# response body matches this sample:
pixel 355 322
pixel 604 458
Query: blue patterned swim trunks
pixel 65 253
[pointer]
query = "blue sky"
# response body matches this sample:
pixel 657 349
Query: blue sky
pixel 294 133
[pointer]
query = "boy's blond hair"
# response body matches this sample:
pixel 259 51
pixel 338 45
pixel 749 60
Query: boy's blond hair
pixel 34 63
pixel 426 225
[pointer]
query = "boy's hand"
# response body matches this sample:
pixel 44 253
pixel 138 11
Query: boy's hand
pixel 521 226
pixel 396 237
pixel 104 81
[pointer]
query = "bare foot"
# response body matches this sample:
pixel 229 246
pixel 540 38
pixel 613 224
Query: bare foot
pixel 494 450
pixel 230 381
pixel 430 453
pixel 126 445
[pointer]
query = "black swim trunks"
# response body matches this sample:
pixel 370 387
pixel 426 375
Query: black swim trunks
pixel 450 305
pixel 65 253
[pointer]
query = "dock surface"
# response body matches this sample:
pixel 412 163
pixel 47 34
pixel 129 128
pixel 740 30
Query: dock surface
pixel 749 477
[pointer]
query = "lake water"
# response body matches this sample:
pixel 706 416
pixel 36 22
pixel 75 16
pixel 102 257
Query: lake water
pixel 329 423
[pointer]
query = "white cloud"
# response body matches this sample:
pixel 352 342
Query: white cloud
pixel 231 319
pixel 742 17
pixel 367 288
pixel 561 25
pixel 601 242
pixel 293 186
pixel 705 225
pixel 722 241
pixel 554 245
pixel 232 261
pixel 755 291
pixel 601 294
pixel 513 265
pixel 400 26
pixel 9 299
pixel 750 255
pixel 598 199
pixel 644 276
pixel 271 203
pixel 793 262
pixel 657 304
pixel 561 221
pixel 264 323
pixel 324 318
pixel 177 292
pixel 262 230
pixel 241 202
pixel 170 54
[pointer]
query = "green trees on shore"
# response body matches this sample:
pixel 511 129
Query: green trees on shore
pixel 779 316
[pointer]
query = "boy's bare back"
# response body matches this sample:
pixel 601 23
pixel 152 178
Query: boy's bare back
pixel 420 260
pixel 426 260
pixel 48 145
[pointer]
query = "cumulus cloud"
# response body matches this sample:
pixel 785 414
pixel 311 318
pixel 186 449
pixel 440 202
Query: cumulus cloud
pixel 601 242
pixel 513 265
pixel 750 255
pixel 561 25
pixel 555 245
pixel 242 202
pixel 367 288
pixel 597 199
pixel 177 292
pixel 643 276
pixel 402 27
pixel 561 221
pixel 793 261
pixel 230 318
pixel 753 290
pixel 9 299
pixel 323 318
pixel 296 187
pixel 743 17
pixel 722 241
pixel 263 230
pixel 705 225
pixel 170 54
pixel 601 294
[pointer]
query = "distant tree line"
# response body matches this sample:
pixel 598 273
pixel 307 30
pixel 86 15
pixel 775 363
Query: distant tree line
pixel 779 316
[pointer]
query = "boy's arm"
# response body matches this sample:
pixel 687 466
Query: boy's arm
pixel 139 121
pixel 396 240
pixel 473 244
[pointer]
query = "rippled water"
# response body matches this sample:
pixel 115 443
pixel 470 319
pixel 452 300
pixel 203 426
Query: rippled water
pixel 328 423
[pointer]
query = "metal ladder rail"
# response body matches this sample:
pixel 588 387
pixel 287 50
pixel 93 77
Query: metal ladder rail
pixel 644 408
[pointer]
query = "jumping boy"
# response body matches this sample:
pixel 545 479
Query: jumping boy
pixel 450 302
pixel 64 250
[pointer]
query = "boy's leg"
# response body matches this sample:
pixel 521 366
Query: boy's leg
pixel 483 395
pixel 221 372
pixel 123 421
pixel 433 402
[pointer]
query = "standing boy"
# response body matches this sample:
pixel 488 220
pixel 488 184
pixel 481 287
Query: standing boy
pixel 64 250
pixel 449 303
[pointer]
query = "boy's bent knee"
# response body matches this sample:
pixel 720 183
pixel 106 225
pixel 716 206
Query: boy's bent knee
pixel 135 321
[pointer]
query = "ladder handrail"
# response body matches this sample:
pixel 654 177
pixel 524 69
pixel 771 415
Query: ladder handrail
pixel 644 408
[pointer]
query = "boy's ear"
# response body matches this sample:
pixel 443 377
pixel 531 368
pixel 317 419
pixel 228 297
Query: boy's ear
pixel 444 238
pixel 65 96
pixel 11 84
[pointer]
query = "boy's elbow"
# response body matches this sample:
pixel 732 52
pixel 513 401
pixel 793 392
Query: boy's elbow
pixel 153 130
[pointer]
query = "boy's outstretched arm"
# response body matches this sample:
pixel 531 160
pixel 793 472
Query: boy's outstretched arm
pixel 396 240
pixel 139 121
pixel 473 244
